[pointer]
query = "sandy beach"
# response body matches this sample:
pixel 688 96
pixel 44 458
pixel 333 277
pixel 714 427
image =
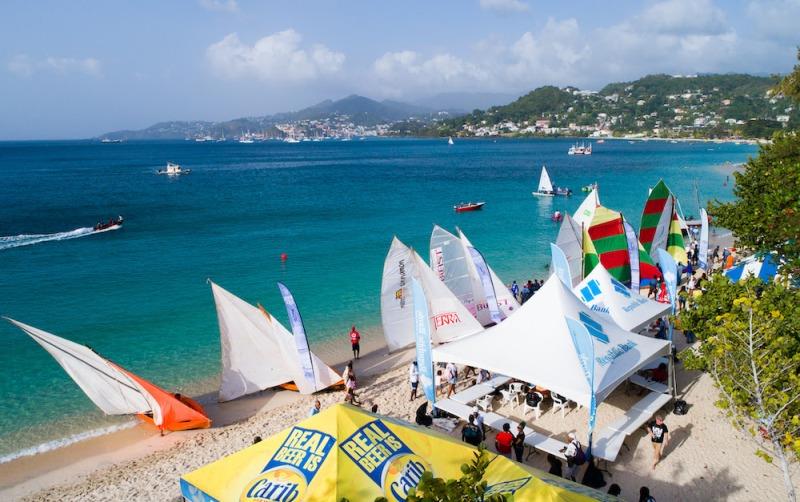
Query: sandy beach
pixel 706 458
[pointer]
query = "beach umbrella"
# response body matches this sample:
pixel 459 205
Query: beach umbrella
pixel 764 268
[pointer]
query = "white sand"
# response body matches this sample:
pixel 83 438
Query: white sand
pixel 706 458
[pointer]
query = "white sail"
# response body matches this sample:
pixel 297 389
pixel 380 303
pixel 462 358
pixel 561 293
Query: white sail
pixel 110 388
pixel 397 316
pixel 702 253
pixel 258 352
pixel 545 185
pixel 570 240
pixel 450 318
pixel 451 265
pixel 585 212
pixel 505 300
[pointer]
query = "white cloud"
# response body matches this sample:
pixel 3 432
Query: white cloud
pixel 220 5
pixel 683 17
pixel 505 6
pixel 23 65
pixel 401 71
pixel 275 58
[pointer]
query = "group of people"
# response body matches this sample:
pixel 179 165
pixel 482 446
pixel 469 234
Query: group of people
pixel 526 291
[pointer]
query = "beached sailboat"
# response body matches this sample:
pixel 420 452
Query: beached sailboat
pixel 451 261
pixel 451 319
pixel 258 352
pixel 660 227
pixel 117 391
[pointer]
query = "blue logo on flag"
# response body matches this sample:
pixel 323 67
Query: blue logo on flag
pixel 593 327
pixel 620 288
pixel 590 291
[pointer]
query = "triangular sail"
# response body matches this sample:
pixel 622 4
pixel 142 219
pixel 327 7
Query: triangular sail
pixel 545 185
pixel 585 212
pixel 258 352
pixel 505 300
pixel 450 317
pixel 570 240
pixel 675 244
pixel 590 257
pixel 452 266
pixel 654 228
pixel 108 386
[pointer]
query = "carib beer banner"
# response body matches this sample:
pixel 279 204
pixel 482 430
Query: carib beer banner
pixel 347 453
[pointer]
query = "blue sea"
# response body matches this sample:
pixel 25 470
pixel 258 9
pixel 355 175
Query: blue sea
pixel 139 295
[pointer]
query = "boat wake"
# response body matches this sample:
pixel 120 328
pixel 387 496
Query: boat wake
pixel 15 241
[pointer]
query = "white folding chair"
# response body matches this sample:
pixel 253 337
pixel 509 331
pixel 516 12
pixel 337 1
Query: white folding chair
pixel 537 410
pixel 507 396
pixel 485 403
pixel 559 403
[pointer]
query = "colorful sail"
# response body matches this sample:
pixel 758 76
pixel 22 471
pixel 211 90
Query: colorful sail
pixel 590 258
pixel 656 216
pixel 585 212
pixel 675 244
pixel 608 235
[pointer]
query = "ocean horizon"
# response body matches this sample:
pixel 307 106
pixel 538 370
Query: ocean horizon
pixel 139 296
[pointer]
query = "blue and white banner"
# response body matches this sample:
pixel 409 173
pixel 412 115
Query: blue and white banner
pixel 560 265
pixel 670 270
pixel 703 251
pixel 633 253
pixel 486 282
pixel 422 334
pixel 584 347
pixel 300 339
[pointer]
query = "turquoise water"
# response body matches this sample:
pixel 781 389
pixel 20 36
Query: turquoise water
pixel 139 297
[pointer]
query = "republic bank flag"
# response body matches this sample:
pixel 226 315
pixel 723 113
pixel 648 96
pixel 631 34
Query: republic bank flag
pixel 703 251
pixel 422 334
pixel 560 265
pixel 584 346
pixel 299 332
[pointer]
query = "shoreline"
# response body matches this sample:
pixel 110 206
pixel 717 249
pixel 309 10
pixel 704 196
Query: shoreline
pixel 24 476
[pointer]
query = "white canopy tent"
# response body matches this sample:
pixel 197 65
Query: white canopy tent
pixel 451 319
pixel 609 297
pixel 259 353
pixel 534 345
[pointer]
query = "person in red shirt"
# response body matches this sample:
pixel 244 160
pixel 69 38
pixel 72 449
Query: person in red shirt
pixel 504 440
pixel 355 339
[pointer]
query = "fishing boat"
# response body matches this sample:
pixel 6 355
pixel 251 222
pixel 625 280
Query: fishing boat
pixel 111 224
pixel 449 140
pixel 582 149
pixel 174 169
pixel 468 206
pixel 546 188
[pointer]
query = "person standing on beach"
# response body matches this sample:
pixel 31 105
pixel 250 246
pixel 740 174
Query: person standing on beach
pixel 504 440
pixel 413 377
pixel 451 373
pixel 470 433
pixel 355 342
pixel 574 454
pixel 659 436
pixel 519 441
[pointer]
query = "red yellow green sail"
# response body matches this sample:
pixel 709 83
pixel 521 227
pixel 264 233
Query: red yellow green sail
pixel 675 244
pixel 608 235
pixel 590 258
pixel 655 217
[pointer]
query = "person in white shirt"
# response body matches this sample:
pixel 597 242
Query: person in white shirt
pixel 571 452
pixel 451 373
pixel 476 412
pixel 413 377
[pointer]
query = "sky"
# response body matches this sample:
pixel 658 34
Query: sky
pixel 78 69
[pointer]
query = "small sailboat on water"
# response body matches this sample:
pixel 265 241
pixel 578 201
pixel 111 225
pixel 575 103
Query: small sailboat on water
pixel 450 140
pixel 117 391
pixel 546 188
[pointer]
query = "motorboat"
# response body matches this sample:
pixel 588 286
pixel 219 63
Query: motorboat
pixel 174 169
pixel 111 224
pixel 581 149
pixel 468 206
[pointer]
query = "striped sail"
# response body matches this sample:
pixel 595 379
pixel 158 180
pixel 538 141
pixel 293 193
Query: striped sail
pixel 590 258
pixel 675 245
pixel 656 217
pixel 608 235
